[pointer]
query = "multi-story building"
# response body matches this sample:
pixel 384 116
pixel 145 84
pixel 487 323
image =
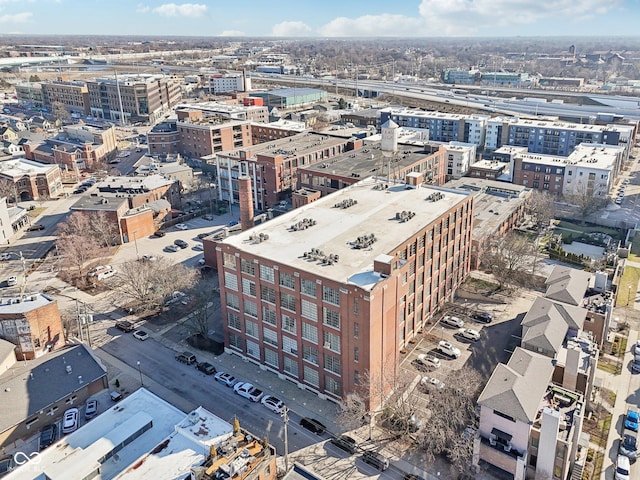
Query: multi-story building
pixel 232 111
pixel 272 166
pixel 291 97
pixel 32 323
pixel 138 97
pixel 74 96
pixel 30 93
pixel 336 288
pixel 219 83
pixel 460 156
pixel 459 76
pixel 266 132
pixel 31 180
pixel 592 168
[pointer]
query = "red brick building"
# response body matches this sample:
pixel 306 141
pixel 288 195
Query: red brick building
pixel 332 290
pixel 30 180
pixel 32 323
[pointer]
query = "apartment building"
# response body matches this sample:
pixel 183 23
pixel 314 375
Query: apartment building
pixel 272 166
pixel 460 156
pixel 74 96
pixel 232 111
pixel 138 97
pixel 219 83
pixel 336 288
pixel 266 132
pixel 30 180
pixel 30 93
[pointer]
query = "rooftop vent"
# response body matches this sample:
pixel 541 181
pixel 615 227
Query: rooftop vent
pixel 434 197
pixel 349 202
pixel 259 237
pixel 364 241
pixel 303 224
pixel 405 216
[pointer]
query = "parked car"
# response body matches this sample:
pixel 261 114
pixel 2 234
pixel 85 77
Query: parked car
pixel 5 256
pixel 232 223
pixel 35 227
pixel 431 383
pixel 141 335
pixel 484 317
pixel 115 396
pixel 91 408
pixel 225 378
pixel 198 247
pixel 203 234
pixel 172 248
pixel 452 321
pixel 470 334
pixel 208 216
pixel 48 435
pixel 12 281
pixel 628 445
pixel 206 368
pixel 631 420
pixel 428 361
pixel 448 349
pixel 376 460
pixel 70 421
pixel 180 243
pixel 273 403
pixel 125 326
pixel 313 425
pixel 186 357
pixel 623 468
pixel 247 390
pixel 148 258
pixel 345 443
pixel 181 226
pixel 159 233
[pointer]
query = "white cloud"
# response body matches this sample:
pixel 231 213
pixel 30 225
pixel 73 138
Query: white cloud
pixel 192 10
pixel 143 8
pixel 231 33
pixel 464 17
pixel 23 17
pixel 290 29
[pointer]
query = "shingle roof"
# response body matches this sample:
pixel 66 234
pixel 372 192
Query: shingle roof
pixel 546 323
pixel 516 389
pixel 568 285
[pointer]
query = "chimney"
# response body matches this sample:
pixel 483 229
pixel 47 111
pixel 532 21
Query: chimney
pixel 246 202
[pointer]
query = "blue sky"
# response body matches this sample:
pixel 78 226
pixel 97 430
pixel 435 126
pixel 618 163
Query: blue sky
pixel 322 18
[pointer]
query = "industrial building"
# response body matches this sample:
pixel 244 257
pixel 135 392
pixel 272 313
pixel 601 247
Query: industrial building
pixel 284 98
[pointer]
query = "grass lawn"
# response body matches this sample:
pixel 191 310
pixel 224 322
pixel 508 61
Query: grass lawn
pixel 564 225
pixel 628 286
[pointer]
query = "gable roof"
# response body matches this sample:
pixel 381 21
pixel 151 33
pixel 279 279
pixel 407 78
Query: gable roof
pixel 547 322
pixel 516 389
pixel 568 285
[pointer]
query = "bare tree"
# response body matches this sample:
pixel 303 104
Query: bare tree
pixel 203 305
pixel 9 190
pixel 75 252
pixel 541 207
pixel 586 202
pixel 145 286
pixel 60 112
pixel 508 258
pixel 104 230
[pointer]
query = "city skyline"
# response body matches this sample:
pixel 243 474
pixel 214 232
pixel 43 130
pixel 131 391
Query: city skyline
pixel 303 18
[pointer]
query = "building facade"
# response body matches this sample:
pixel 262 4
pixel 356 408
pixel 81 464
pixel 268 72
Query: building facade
pixel 31 180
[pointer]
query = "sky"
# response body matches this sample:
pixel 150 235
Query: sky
pixel 322 18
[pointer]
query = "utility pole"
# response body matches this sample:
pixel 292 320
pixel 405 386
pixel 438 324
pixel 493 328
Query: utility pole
pixel 285 418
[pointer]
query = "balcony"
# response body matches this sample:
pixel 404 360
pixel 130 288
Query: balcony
pixel 500 454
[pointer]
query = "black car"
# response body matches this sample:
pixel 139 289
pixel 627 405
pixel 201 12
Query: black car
pixel 159 234
pixel 35 227
pixel 312 424
pixel 484 317
pixel 125 326
pixel 206 367
pixel 181 243
pixel 48 435
pixel 628 446
pixel 346 443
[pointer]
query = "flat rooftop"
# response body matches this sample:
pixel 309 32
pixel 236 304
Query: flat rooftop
pixel 337 229
pixel 595 155
pixel 19 167
pixel 10 305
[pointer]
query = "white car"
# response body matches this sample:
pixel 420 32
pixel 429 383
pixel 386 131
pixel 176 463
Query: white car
pixel 141 335
pixel 225 378
pixel 470 334
pixel 431 382
pixel 247 390
pixel 5 257
pixel 199 247
pixel 12 281
pixel 428 361
pixel 70 421
pixel 452 321
pixel 273 403
pixel 448 349
pixel 182 226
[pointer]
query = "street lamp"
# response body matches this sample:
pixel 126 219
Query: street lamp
pixel 135 241
pixel 628 295
pixel 140 372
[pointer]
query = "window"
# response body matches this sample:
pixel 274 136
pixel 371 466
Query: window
pixel 356 377
pixel 231 281
pixel 356 329
pixel 331 318
pixel 331 295
pixel 308 310
pixel 356 306
pixel 251 328
pixel 288 323
pixel 331 341
pixel 310 354
pixel 311 376
pixel 288 301
pixel 289 345
pixel 235 341
pixel 266 274
pixel 248 287
pixel 267 294
pixel 250 308
pixel 233 301
pixel 331 385
pixel 271 357
pixel 310 332
pixel 290 366
pixel 247 267
pixel 287 280
pixel 253 349
pixel 308 287
pixel 269 315
pixel 356 354
pixel 270 337
pixel 233 320
pixel 229 260
pixel 332 364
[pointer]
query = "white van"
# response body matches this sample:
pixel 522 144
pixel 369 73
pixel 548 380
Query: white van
pixel 623 468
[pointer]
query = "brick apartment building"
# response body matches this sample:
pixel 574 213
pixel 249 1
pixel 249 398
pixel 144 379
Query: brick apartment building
pixel 272 166
pixel 32 323
pixel 334 289
pixel 30 180
pixel 73 95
